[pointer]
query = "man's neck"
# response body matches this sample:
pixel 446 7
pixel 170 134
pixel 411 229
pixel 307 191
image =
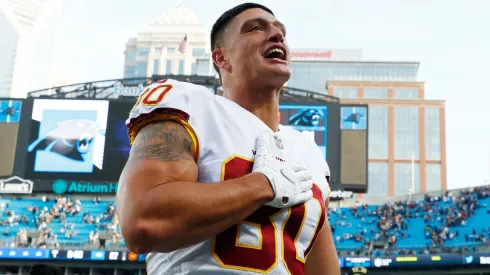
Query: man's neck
pixel 263 103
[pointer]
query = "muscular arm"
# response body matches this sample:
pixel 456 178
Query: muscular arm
pixel 323 258
pixel 161 206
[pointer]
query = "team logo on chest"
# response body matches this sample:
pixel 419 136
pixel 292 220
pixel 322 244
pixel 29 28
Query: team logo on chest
pixel 278 142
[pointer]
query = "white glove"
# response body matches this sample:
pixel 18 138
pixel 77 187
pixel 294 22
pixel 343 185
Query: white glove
pixel 290 183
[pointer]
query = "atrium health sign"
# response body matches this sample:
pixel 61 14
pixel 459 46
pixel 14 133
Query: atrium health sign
pixel 61 186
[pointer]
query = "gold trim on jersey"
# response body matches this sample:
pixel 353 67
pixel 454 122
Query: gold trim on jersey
pixel 283 226
pixel 167 117
pixel 243 268
pixel 316 225
pixel 299 234
pixel 223 165
pixel 313 238
pixel 258 226
pixel 271 218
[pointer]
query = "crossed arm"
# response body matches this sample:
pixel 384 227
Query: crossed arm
pixel 162 208
pixel 160 205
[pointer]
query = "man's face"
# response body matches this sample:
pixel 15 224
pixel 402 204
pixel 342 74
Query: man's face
pixel 256 49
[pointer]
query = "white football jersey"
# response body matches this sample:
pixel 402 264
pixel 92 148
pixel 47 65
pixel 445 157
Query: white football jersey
pixel 271 240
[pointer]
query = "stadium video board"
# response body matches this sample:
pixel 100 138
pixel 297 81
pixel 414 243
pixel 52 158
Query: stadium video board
pixel 66 137
pixel 354 147
pixel 310 120
pixel 63 138
pixel 9 126
pixel 10 110
pixel 86 140
pixel 478 259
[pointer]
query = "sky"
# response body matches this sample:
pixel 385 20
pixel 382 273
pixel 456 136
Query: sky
pixel 450 38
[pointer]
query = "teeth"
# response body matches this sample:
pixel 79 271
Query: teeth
pixel 274 50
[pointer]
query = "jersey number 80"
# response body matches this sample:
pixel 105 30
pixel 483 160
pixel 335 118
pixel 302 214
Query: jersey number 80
pixel 263 257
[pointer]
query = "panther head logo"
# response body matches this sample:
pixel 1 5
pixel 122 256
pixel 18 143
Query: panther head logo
pixel 354 118
pixel 307 117
pixel 71 139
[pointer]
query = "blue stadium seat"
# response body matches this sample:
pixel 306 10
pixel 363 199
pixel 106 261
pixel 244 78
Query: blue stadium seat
pixel 343 222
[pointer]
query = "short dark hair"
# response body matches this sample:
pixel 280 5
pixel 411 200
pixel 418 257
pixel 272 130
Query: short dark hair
pixel 225 19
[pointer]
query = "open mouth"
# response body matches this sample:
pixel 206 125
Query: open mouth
pixel 275 53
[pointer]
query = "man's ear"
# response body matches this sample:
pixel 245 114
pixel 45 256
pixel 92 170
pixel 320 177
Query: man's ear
pixel 220 60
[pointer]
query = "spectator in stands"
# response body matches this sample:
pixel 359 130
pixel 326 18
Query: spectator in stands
pixel 96 200
pixel 3 205
pixel 445 215
pixel 94 238
pixel 442 214
pixel 52 242
pixel 21 238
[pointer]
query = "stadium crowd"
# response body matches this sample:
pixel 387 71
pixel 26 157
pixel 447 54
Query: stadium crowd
pixel 60 209
pixel 443 216
pixel 373 229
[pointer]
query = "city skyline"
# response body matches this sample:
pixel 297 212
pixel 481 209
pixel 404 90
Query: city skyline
pixel 453 54
pixel 29 29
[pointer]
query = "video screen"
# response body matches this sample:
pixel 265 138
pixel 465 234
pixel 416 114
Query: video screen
pixel 353 147
pixel 117 141
pixel 9 128
pixel 310 120
pixel 353 118
pixel 10 111
pixel 67 136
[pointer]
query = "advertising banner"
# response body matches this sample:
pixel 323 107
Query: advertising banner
pixel 62 186
pixel 16 185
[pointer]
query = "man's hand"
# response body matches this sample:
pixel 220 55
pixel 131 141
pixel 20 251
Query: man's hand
pixel 291 184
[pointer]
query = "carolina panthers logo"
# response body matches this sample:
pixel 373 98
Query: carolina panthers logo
pixel 71 139
pixel 354 118
pixel 307 117
pixel 9 111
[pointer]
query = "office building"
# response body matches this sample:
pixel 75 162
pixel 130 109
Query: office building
pixel 311 68
pixel 403 126
pixel 29 31
pixel 174 43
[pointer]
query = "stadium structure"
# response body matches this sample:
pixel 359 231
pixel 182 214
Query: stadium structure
pixel 61 213
pixel 65 216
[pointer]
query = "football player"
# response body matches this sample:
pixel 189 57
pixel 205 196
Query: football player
pixel 213 184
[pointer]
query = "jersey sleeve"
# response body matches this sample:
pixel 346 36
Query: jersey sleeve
pixel 166 100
